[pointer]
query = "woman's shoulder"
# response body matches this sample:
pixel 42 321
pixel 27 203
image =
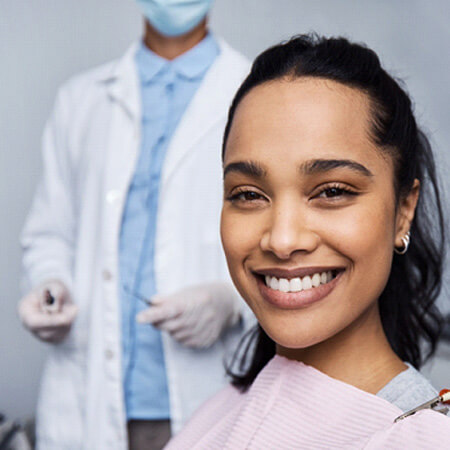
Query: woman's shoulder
pixel 423 430
pixel 291 405
pixel 209 415
pixel 408 389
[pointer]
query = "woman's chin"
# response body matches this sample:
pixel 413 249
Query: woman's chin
pixel 291 339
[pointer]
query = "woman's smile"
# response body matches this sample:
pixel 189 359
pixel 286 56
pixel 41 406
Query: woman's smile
pixel 296 288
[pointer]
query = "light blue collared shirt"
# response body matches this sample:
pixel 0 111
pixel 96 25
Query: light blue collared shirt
pixel 167 87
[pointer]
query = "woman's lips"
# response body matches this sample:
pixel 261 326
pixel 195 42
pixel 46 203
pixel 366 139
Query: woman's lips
pixel 296 300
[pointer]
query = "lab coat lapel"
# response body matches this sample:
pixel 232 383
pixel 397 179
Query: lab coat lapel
pixel 209 105
pixel 122 87
pixel 122 84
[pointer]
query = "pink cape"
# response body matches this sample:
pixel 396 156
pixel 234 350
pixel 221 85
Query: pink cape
pixel 291 405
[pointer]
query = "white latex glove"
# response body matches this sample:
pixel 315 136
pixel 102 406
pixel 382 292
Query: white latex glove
pixel 50 322
pixel 195 316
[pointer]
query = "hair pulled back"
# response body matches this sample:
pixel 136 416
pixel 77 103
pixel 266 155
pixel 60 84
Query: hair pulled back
pixel 408 313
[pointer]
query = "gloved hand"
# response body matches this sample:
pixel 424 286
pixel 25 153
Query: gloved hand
pixel 49 321
pixel 195 316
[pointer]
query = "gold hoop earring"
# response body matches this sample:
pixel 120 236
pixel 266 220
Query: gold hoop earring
pixel 406 239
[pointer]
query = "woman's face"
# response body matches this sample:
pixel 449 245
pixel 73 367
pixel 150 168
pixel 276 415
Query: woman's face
pixel 309 220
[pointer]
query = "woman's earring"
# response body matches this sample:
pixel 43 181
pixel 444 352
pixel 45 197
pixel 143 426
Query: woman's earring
pixel 405 240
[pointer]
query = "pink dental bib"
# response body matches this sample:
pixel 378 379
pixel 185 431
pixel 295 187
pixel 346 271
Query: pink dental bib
pixel 294 406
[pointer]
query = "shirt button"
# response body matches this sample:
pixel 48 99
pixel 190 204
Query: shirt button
pixel 109 354
pixel 112 196
pixel 107 275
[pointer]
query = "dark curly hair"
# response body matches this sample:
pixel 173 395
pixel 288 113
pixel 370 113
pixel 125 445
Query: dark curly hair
pixel 410 319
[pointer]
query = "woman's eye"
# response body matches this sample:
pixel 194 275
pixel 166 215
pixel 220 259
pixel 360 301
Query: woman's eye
pixel 245 197
pixel 332 192
pixel 335 192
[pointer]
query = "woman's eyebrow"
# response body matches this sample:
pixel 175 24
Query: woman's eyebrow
pixel 250 168
pixel 323 165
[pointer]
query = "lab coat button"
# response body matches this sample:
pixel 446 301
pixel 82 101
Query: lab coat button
pixel 107 275
pixel 109 354
pixel 112 196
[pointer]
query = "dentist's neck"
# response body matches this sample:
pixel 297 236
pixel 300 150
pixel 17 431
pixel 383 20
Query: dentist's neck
pixel 170 47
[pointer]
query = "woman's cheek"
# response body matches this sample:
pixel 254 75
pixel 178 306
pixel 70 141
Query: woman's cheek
pixel 232 236
pixel 358 230
pixel 240 238
pixel 237 229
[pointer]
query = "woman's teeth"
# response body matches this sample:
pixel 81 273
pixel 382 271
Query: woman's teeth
pixel 298 284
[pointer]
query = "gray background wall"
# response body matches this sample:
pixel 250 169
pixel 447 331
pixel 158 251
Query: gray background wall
pixel 43 42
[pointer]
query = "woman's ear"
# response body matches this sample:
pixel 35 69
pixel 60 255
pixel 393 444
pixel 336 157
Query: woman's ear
pixel 405 213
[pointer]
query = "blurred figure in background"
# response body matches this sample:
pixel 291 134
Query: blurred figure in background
pixel 122 254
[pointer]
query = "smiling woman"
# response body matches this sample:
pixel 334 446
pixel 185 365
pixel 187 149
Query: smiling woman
pixel 327 182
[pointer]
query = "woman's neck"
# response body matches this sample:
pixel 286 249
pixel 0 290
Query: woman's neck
pixel 360 355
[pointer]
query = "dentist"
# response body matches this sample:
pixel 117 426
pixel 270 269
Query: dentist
pixel 122 255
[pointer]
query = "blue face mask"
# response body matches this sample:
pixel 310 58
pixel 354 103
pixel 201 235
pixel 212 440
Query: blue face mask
pixel 174 17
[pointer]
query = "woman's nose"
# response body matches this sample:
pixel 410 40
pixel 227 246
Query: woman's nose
pixel 289 232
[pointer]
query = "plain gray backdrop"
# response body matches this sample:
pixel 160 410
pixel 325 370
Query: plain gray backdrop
pixel 43 42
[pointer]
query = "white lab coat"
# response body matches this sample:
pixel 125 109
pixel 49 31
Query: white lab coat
pixel 90 148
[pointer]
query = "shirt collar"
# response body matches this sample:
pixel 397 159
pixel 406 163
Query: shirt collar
pixel 192 64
